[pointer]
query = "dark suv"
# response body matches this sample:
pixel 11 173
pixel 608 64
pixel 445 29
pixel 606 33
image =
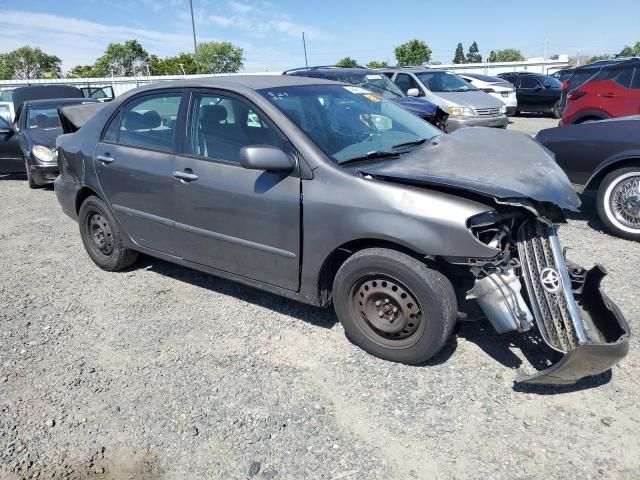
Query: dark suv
pixel 536 92
pixel 380 84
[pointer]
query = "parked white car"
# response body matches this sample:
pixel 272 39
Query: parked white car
pixel 497 87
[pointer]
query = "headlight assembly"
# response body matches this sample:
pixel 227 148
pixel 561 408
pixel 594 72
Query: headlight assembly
pixel 461 112
pixel 44 154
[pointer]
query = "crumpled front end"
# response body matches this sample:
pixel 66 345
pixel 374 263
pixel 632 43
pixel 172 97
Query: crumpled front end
pixel 572 313
pixel 565 301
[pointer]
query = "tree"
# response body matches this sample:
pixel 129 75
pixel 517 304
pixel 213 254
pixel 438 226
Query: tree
pixel 555 56
pixel 597 58
pixel 81 71
pixel 413 52
pixel 347 62
pixel 627 51
pixel 459 55
pixel 27 63
pixel 509 55
pixel 474 54
pixel 183 63
pixel 376 64
pixel 492 57
pixel 6 70
pixel 122 60
pixel 219 57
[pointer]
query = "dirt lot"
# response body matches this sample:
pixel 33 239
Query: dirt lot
pixel 162 372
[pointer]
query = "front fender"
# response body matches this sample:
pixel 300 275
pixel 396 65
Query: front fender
pixel 618 160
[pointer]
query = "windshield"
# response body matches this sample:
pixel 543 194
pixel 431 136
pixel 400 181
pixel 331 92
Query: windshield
pixel 485 78
pixel 43 116
pixel 6 96
pixel 376 82
pixel 551 82
pixel 348 122
pixel 444 82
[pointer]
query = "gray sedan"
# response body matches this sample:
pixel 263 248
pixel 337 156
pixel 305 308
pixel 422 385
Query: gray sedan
pixel 326 193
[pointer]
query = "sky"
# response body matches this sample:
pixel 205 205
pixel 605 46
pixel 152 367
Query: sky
pixel 270 32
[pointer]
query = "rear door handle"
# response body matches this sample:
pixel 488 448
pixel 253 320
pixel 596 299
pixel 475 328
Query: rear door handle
pixel 186 176
pixel 104 159
pixel 608 95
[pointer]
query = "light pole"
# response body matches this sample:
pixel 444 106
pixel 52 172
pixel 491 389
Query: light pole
pixel 195 43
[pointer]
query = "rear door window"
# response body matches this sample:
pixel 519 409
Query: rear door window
pixel 635 84
pixel 150 122
pixel 529 82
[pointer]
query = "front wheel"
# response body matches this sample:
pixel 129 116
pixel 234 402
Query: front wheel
pixel 102 238
pixel 618 202
pixel 30 181
pixel 393 306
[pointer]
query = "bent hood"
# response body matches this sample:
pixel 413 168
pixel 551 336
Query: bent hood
pixel 417 106
pixel 504 165
pixel 43 136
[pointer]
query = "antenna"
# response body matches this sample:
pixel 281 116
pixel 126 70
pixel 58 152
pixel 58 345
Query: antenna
pixel 304 45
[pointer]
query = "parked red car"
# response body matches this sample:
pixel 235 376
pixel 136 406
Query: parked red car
pixel 613 92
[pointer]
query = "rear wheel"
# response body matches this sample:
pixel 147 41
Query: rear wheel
pixel 102 238
pixel 393 306
pixel 618 202
pixel 555 110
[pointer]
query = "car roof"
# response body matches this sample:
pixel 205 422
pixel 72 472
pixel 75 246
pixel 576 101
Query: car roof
pixel 412 69
pixel 253 82
pixel 622 63
pixel 325 68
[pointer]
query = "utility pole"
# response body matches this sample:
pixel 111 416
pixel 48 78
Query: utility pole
pixel 195 43
pixel 546 41
pixel 304 45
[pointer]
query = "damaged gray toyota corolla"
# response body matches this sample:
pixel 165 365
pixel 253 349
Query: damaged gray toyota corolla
pixel 327 193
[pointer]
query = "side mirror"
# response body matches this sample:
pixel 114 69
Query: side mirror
pixel 265 157
pixel 413 92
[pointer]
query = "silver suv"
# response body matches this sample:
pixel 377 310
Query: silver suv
pixel 465 104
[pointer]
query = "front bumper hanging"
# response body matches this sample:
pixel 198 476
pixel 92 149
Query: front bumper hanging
pixel 572 313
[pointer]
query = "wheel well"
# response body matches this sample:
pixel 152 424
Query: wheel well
pixel 594 182
pixel 83 194
pixel 336 258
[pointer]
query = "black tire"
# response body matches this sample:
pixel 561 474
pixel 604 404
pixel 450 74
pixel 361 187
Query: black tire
pixel 622 222
pixel 101 236
pixel 555 110
pixel 424 302
pixel 517 113
pixel 30 181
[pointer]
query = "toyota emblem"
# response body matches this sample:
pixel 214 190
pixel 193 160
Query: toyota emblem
pixel 550 279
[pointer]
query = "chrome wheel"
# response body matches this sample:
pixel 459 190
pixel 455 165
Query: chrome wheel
pixel 624 201
pixel 387 309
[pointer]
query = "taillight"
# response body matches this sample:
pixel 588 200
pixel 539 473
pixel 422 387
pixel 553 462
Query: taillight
pixel 565 85
pixel 576 94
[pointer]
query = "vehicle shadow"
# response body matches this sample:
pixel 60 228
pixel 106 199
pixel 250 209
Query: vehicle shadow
pixel 588 212
pixel 500 347
pixel 318 316
pixel 13 176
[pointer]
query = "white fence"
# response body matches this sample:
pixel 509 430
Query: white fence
pixel 533 65
pixel 119 84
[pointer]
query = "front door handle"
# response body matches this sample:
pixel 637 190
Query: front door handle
pixel 104 159
pixel 608 95
pixel 185 176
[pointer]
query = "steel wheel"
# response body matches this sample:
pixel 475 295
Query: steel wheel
pixel 100 233
pixel 624 201
pixel 388 311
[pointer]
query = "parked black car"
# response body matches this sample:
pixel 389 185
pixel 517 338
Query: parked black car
pixel 603 157
pixel 322 192
pixel 378 83
pixel 27 144
pixel 536 92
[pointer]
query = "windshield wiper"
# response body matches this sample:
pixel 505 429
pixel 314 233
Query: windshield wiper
pixel 418 141
pixel 370 156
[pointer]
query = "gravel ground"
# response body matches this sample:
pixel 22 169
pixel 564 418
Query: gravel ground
pixel 163 372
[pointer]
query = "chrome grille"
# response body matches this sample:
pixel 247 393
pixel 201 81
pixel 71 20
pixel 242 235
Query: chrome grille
pixel 556 314
pixel 487 111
